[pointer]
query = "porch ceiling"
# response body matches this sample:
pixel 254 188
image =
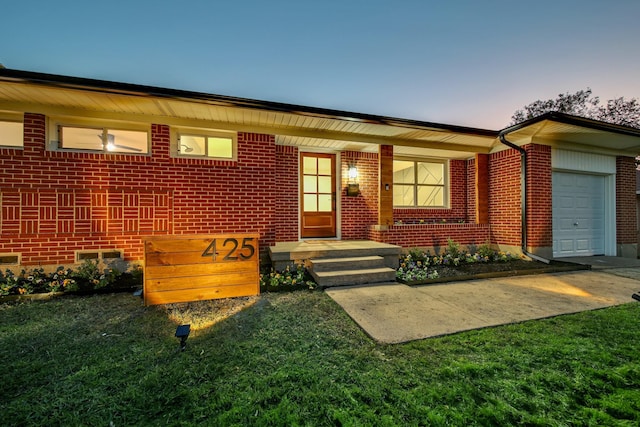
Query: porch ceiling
pixel 293 125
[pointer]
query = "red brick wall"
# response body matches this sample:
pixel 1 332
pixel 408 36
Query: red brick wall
pixel 432 235
pixel 54 202
pixel 287 196
pixel 361 211
pixel 504 197
pixel 626 201
pixel 539 196
pixel 458 199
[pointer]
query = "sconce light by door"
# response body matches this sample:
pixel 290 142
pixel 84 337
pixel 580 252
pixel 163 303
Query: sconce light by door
pixel 353 173
pixel 353 188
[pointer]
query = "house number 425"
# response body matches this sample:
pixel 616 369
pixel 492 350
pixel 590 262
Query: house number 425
pixel 231 248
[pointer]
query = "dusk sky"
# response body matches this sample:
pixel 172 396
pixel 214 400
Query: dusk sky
pixel 470 63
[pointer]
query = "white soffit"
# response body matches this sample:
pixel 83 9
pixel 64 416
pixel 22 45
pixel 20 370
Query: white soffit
pixel 549 132
pixel 292 127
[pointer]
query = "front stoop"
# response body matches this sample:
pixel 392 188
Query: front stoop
pixel 330 272
pixel 340 262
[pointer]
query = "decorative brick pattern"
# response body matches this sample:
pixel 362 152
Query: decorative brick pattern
pixel 55 211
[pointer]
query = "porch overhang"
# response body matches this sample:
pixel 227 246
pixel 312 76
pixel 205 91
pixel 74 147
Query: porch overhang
pixel 575 133
pixel 292 124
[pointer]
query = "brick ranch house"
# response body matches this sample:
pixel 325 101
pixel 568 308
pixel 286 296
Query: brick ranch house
pixel 90 167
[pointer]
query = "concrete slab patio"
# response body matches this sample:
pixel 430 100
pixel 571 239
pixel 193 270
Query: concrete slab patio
pixel 395 313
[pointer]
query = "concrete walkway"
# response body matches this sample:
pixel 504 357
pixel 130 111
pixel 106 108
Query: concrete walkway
pixel 394 313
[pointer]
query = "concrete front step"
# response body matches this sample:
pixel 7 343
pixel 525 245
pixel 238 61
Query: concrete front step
pixel 327 279
pixel 350 263
pixel 339 263
pixel 290 253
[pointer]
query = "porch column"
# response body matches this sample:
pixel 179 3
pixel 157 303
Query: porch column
pixel 385 187
pixel 482 188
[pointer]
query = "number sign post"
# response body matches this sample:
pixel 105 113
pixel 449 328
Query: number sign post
pixel 194 268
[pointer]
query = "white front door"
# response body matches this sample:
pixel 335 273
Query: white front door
pixel 578 214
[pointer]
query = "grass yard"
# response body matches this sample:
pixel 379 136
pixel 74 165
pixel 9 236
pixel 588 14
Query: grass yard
pixel 297 359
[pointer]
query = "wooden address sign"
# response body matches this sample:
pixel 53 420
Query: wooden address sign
pixel 195 268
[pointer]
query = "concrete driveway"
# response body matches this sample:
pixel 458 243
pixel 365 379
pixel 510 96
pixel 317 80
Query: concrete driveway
pixel 394 313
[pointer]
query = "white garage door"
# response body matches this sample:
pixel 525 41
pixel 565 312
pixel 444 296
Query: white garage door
pixel 578 214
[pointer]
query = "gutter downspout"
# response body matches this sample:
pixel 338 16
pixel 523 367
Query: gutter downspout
pixel 523 197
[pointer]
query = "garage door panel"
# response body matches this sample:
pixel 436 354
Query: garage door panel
pixel 578 214
pixel 582 202
pixel 567 246
pixel 566 203
pixel 566 224
pixel 583 182
pixel 583 245
pixel 566 180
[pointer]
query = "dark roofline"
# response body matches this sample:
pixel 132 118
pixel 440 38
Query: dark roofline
pixel 54 80
pixel 576 121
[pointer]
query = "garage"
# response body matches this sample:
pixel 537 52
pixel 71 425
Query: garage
pixel 578 214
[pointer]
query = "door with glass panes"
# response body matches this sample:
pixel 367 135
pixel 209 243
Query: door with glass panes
pixel 318 195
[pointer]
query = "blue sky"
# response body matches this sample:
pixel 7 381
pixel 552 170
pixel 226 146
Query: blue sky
pixel 461 62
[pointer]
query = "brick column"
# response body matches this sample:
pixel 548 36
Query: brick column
pixel 626 228
pixel 482 188
pixel 385 195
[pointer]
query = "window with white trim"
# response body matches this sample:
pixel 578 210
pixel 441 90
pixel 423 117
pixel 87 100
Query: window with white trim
pixel 419 184
pixel 104 139
pixel 11 131
pixel 92 135
pixel 204 143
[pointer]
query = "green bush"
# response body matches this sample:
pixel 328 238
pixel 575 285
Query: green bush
pixel 453 248
pixel 287 279
pixel 88 277
pixel 418 265
pixel 485 251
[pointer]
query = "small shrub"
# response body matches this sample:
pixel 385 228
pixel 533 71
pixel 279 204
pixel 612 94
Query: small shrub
pixel 8 283
pixel 453 248
pixel 417 254
pixel 89 276
pixel 61 280
pixel 288 279
pixel 485 251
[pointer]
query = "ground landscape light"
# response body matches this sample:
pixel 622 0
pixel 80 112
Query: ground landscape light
pixel 182 332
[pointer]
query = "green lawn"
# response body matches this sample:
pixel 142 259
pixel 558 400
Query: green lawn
pixel 297 359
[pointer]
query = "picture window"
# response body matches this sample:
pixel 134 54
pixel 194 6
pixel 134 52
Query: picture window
pixel 419 184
